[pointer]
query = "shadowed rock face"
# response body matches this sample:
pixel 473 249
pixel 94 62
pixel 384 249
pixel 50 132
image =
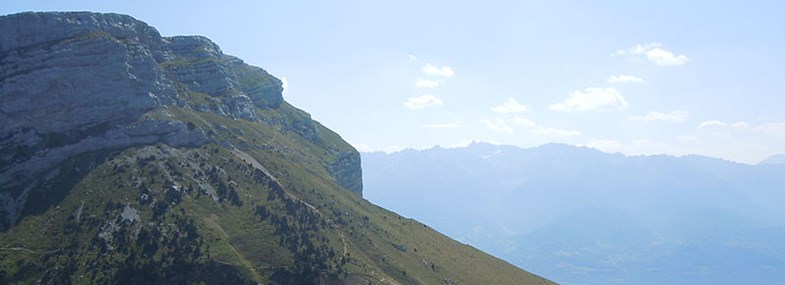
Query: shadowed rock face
pixel 77 82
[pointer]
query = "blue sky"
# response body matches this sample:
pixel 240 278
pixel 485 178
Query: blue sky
pixel 674 77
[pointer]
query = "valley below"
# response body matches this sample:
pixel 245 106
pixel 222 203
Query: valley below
pixel 581 216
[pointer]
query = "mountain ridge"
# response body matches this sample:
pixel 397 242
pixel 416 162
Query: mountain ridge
pixel 479 145
pixel 601 218
pixel 140 159
pixel 774 159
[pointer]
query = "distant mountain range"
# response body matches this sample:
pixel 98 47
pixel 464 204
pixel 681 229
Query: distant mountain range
pixel 774 159
pixel 127 157
pixel 581 216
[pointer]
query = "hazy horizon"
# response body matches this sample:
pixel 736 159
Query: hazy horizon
pixel 468 144
pixel 637 78
pixel 580 216
pixel 568 138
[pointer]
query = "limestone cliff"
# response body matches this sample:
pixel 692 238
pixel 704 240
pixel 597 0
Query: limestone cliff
pixel 75 83
pixel 131 158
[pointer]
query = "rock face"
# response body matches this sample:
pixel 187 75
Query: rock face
pixel 347 171
pixel 76 83
pixel 131 158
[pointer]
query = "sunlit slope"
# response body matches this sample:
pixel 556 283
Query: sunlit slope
pixel 256 206
pixel 131 158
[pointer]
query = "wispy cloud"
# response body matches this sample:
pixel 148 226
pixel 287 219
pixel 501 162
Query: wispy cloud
pixel 444 71
pixel 655 53
pixel 719 128
pixel 624 79
pixel 510 106
pixel 722 128
pixel 427 83
pixel 774 128
pixel 523 122
pixel 712 124
pixel 688 139
pixel 509 126
pixel 441 126
pixel 554 132
pixel 421 102
pixel 284 84
pixel 592 99
pixel 499 125
pixel 363 147
pixel 412 58
pixel 672 116
pixel 634 147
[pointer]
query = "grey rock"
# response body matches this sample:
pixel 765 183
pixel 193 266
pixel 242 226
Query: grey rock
pixel 77 83
pixel 62 84
pixel 347 171
pixel 174 133
pixel 240 106
pixel 129 215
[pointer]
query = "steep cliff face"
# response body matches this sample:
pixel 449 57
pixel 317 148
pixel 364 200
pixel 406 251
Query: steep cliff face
pixel 131 158
pixel 75 83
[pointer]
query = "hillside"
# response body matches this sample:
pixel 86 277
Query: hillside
pixel 581 216
pixel 127 157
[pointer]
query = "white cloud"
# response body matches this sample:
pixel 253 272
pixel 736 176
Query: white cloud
pixel 412 58
pixel 604 145
pixel 656 54
pixel 467 142
pixel 392 149
pixel 775 128
pixel 591 99
pixel 441 126
pixel 559 133
pixel 719 128
pixel 713 124
pixel 523 122
pixel 722 128
pixel 739 151
pixel 498 125
pixel 672 116
pixel 363 147
pixel 508 126
pixel 510 106
pixel 634 147
pixel 284 84
pixel 740 125
pixel 444 71
pixel 421 102
pixel 427 83
pixel 689 139
pixel 624 79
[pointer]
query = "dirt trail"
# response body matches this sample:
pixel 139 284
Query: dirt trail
pixel 28 250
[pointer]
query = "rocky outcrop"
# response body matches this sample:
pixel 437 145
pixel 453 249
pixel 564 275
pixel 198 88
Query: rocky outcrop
pixel 348 172
pixel 199 64
pixel 78 82
pixel 57 71
pixel 73 83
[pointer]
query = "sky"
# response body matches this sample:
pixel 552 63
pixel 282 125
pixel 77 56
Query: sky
pixel 637 77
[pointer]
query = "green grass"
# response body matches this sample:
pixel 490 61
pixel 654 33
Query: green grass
pixel 188 234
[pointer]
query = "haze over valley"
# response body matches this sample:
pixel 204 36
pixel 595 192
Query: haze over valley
pixel 581 216
pixel 358 142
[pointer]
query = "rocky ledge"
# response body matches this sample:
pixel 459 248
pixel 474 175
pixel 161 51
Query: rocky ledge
pixel 78 82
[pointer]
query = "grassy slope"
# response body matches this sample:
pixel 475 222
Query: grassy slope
pixel 209 214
